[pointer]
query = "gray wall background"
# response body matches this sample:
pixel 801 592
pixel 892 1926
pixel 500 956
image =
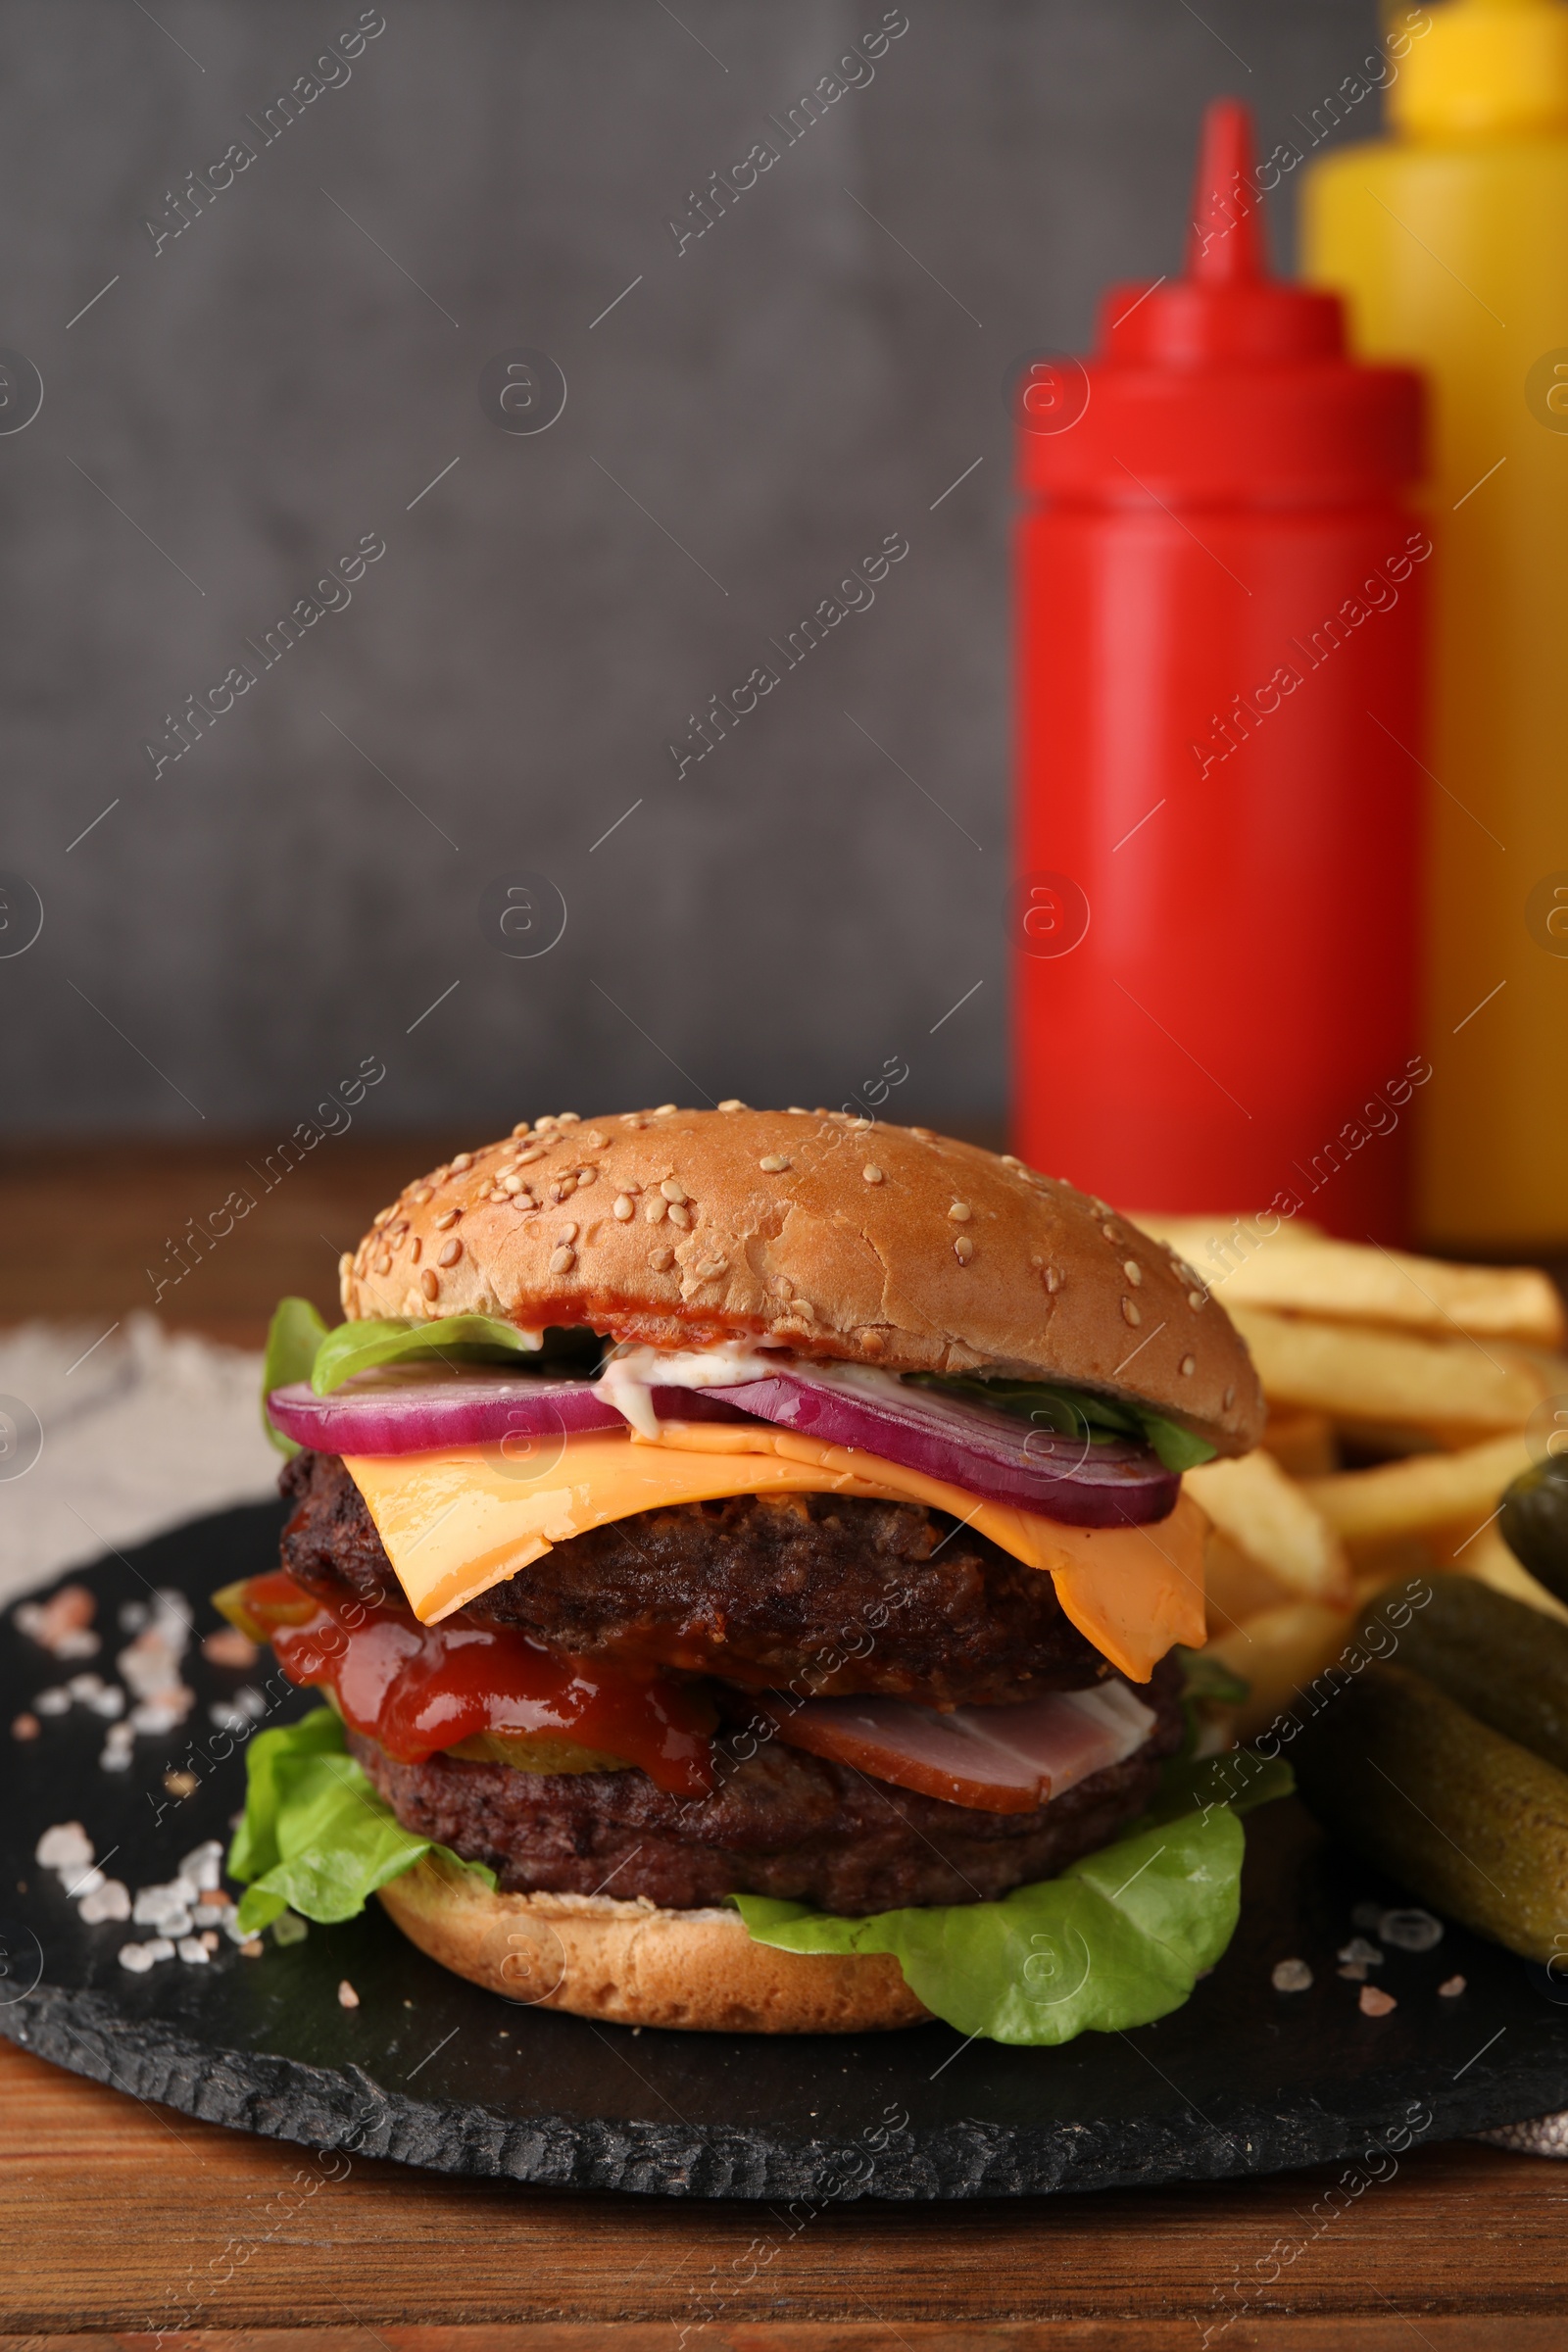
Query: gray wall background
pixel 751 419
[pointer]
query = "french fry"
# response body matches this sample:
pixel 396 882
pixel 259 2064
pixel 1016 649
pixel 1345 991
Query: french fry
pixel 1345 1281
pixel 1453 1388
pixel 1426 1492
pixel 1276 1653
pixel 1236 1586
pixel 1271 1519
pixel 1301 1442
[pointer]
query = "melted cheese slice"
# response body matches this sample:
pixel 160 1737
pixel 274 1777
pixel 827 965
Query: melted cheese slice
pixel 458 1520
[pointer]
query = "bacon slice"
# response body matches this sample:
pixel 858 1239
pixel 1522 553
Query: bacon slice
pixel 995 1759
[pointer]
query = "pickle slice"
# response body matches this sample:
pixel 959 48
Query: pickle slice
pixel 536 1751
pixel 1466 1818
pixel 1502 1659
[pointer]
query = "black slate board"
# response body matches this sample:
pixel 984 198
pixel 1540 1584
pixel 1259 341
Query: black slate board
pixel 434 2072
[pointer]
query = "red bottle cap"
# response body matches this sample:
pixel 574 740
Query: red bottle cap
pixel 1225 386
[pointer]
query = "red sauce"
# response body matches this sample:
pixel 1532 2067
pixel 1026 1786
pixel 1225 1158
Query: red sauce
pixel 418 1687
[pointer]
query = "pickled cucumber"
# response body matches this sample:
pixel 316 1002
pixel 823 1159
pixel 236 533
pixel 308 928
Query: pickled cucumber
pixel 1535 1521
pixel 1471 1822
pixel 1503 1660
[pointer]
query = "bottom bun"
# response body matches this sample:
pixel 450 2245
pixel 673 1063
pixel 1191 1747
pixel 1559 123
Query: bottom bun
pixel 637 1965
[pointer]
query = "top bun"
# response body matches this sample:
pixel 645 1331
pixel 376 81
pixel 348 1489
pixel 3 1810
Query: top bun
pixel 827 1234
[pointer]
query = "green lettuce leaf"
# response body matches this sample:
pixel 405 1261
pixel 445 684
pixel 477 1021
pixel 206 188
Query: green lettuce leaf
pixel 1079 1413
pixel 293 1341
pixel 361 1346
pixel 315 1836
pixel 1119 1940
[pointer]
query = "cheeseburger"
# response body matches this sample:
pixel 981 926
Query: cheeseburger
pixel 739 1550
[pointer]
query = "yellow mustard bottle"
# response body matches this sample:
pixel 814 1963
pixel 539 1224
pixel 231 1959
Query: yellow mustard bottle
pixel 1450 239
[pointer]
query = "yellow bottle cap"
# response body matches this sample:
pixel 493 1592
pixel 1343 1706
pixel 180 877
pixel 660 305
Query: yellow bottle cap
pixel 1476 67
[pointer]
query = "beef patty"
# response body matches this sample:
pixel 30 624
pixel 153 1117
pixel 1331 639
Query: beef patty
pixel 809 1593
pixel 778 1823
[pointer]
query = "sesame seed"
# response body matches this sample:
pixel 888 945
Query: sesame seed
pixel 448 1216
pixel 568 1118
pixel 1189 1366
pixel 1133 1271
pixel 421 1194
pixel 451 1254
pixel 511 1184
pixel 712 1269
pixel 567 1232
pixel 462 1163
pixel 415 1248
pixel 680 1214
pixel 872 1175
pixel 521 1128
pixel 960 1212
pixel 666 1110
pixel 593 1141
pixel 661 1260
pixel 534 1152
pixel 430 1284
pixel 381 1217
pixel 1195 1300
pixel 624 1209
pixel 1230 1399
pixel 927 1135
pixel 345 1264
pixel 772 1163
pixel 383 1264
pixel 734 1103
pixel 547 1125
pixel 587 1176
pixel 563 1188
pixel 1009 1161
pixel 1111 1233
pixel 963 1249
pixel 563 1260
pixel 1130 1312
pixel 798 1111
pixel 657 1208
pixel 1055 1278
pixel 671 1189
pixel 781 1287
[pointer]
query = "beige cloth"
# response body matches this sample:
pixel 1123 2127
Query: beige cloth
pixel 140 1431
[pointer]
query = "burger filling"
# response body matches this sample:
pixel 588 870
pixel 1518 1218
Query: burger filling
pixel 861 1703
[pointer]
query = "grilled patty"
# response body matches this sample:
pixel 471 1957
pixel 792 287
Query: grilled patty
pixel 809 1593
pixel 778 1823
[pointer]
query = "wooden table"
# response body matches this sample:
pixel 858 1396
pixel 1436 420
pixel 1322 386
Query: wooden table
pixel 122 2218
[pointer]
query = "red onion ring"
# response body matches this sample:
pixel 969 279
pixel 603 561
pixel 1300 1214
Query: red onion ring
pixel 375 1414
pixel 988 1453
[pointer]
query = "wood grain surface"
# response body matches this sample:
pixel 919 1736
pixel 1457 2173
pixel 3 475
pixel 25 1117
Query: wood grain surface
pixel 123 2221
pixel 122 2217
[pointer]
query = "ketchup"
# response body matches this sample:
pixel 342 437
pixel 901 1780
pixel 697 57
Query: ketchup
pixel 415 1688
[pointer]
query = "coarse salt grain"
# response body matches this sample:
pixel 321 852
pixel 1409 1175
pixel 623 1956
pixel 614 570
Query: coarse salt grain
pixel 1291 1975
pixel 348 1998
pixel 64 1847
pixel 110 1900
pixel 1373 2002
pixel 1410 1930
pixel 1450 1988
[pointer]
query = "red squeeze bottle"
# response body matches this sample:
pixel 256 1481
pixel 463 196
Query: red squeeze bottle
pixel 1220 610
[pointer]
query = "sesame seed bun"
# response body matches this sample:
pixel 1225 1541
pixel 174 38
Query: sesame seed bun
pixel 637 1965
pixel 833 1236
